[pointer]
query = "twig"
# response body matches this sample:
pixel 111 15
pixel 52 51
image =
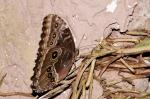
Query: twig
pixel 91 88
pixel 79 75
pixel 16 93
pixel 128 66
pixel 91 73
pixel 79 91
pixel 131 93
pixel 104 69
pixel 57 89
pixel 83 90
pixel 124 40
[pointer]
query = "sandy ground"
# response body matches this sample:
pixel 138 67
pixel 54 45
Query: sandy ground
pixel 89 20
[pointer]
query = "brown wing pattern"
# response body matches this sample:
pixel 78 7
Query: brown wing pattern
pixel 56 54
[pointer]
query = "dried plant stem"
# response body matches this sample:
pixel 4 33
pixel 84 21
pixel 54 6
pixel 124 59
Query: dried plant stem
pixel 104 69
pixel 134 66
pixel 79 91
pixel 91 88
pixel 132 93
pixel 143 72
pixel 135 40
pixel 71 75
pixel 142 47
pixel 16 93
pixel 140 71
pixel 128 66
pixel 72 71
pixel 91 73
pixel 79 75
pixel 127 79
pixel 114 83
pixel 138 33
pixel 83 89
pixel 57 89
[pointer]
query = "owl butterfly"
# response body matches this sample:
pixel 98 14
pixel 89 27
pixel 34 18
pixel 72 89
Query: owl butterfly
pixel 56 54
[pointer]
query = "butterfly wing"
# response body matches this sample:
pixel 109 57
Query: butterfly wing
pixel 56 54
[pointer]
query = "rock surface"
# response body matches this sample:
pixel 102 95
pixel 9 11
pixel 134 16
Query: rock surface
pixel 21 22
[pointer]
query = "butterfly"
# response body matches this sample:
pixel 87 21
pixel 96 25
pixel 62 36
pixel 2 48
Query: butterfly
pixel 56 54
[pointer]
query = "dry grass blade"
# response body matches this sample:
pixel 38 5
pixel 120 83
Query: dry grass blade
pixel 142 47
pixel 79 91
pixel 83 89
pixel 128 66
pixel 125 40
pixel 15 93
pixel 57 89
pixel 143 72
pixel 132 93
pixel 104 69
pixel 91 88
pixel 134 63
pixel 91 73
pixel 79 75
pixel 139 32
